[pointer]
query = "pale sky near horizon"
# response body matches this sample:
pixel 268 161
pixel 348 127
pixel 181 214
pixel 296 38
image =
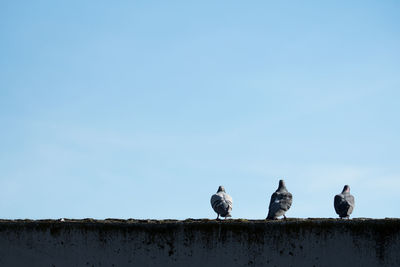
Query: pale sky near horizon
pixel 141 109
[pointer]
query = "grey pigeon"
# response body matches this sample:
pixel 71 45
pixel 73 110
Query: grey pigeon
pixel 221 202
pixel 280 202
pixel 344 203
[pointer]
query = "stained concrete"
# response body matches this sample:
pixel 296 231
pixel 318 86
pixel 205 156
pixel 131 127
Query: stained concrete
pixel 295 242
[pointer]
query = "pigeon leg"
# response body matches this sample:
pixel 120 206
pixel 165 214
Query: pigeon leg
pixel 217 217
pixel 284 217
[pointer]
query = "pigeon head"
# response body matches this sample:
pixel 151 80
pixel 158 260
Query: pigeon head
pixel 221 189
pixel 282 185
pixel 346 188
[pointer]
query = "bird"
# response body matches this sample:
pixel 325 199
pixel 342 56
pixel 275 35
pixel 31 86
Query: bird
pixel 344 203
pixel 280 202
pixel 221 202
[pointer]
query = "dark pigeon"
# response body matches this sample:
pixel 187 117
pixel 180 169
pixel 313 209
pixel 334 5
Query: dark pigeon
pixel 221 202
pixel 344 203
pixel 280 202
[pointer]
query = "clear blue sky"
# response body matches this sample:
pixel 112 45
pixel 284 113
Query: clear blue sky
pixel 141 109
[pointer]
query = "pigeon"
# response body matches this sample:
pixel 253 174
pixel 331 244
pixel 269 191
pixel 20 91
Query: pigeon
pixel 221 202
pixel 280 202
pixel 344 203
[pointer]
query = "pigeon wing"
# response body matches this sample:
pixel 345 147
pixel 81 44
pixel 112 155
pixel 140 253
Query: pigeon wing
pixel 350 200
pixel 285 201
pixel 338 200
pixel 229 202
pixel 274 205
pixel 216 199
pixel 342 206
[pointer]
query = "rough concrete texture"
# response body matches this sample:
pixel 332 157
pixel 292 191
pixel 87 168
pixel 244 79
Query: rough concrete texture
pixel 295 242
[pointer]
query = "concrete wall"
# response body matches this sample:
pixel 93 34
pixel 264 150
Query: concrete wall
pixel 318 242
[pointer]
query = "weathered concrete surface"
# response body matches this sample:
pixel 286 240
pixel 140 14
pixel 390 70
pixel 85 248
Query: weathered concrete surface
pixel 311 242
